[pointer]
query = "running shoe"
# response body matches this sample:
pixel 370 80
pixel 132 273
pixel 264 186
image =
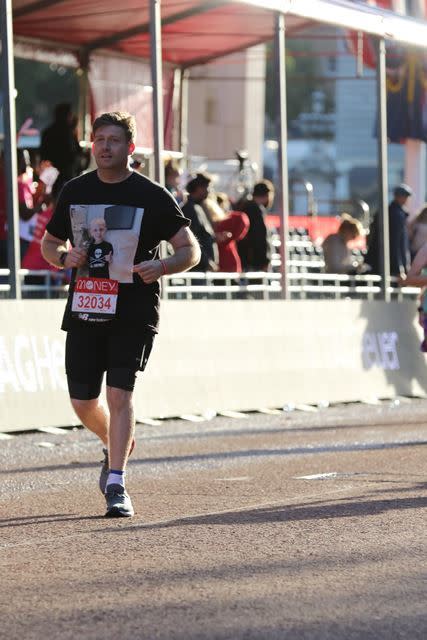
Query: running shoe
pixel 119 504
pixel 103 477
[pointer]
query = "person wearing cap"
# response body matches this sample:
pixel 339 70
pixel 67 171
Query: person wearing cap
pixel 198 189
pixel 255 247
pixel 398 235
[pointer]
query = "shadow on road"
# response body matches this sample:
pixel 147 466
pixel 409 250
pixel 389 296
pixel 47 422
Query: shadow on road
pixel 291 513
pixel 45 518
pixel 229 455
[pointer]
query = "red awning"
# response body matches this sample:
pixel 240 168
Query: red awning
pixel 193 32
pixel 196 31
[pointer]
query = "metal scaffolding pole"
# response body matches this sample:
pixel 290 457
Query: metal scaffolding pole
pixel 383 221
pixel 10 170
pixel 183 116
pixel 282 137
pixel 157 82
pixel 84 116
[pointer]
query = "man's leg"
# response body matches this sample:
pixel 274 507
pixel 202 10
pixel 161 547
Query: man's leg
pixel 122 426
pixel 93 416
pixel 126 355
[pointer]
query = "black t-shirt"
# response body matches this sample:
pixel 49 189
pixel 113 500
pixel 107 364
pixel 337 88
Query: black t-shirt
pixel 137 214
pixel 98 257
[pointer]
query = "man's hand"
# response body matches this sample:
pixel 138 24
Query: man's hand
pixel 149 270
pixel 75 258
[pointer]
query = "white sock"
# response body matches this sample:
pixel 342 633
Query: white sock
pixel 116 477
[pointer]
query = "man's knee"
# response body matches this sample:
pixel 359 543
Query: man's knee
pixel 84 408
pixel 118 399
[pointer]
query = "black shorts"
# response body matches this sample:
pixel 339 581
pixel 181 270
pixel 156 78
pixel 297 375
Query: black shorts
pixel 88 356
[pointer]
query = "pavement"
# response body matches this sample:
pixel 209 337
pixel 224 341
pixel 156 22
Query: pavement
pixel 303 524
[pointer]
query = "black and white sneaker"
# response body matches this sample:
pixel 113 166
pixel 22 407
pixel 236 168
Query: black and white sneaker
pixel 119 504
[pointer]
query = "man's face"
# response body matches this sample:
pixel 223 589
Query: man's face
pixel 201 193
pixel 110 147
pixel 403 199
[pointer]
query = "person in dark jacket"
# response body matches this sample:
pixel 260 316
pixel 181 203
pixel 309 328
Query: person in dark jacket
pixel 398 232
pixel 198 188
pixel 255 247
pixel 59 145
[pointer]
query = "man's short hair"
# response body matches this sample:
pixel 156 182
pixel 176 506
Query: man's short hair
pixel 199 180
pixel 120 119
pixel 263 188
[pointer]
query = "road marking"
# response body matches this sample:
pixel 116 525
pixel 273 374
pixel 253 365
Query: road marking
pixel 235 479
pixel 318 476
pixel 5 436
pixel 333 474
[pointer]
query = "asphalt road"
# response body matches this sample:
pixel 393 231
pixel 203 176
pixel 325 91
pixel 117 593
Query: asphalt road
pixel 300 525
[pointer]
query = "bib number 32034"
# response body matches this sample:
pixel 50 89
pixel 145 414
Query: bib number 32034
pixel 95 299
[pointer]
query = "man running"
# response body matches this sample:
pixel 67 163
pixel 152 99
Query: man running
pixel 111 321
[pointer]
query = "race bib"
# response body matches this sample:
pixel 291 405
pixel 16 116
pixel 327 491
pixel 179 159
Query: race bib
pixel 95 299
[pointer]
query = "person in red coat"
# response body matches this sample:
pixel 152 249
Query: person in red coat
pixel 229 227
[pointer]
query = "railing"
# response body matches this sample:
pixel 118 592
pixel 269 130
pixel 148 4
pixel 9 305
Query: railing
pixel 36 284
pixel 260 285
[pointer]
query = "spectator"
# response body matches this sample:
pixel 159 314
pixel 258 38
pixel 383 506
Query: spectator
pixel 33 258
pixel 30 202
pixel 255 247
pixel 59 145
pixel 399 240
pixel 229 228
pixel 418 231
pixel 173 174
pixel 198 189
pixel 337 255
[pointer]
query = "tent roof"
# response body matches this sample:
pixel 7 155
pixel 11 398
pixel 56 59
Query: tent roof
pixel 195 31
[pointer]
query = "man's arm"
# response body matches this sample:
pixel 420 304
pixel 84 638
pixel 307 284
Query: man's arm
pixel 52 248
pixel 186 255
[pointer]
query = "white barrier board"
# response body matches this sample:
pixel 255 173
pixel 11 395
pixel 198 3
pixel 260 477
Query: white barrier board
pixel 218 355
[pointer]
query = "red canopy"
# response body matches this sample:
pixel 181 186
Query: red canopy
pixel 193 32
pixel 196 31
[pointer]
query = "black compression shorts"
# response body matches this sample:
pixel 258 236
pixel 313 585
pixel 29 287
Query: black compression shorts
pixel 88 356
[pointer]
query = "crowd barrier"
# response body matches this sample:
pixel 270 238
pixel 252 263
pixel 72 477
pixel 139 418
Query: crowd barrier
pixel 223 355
pixel 265 285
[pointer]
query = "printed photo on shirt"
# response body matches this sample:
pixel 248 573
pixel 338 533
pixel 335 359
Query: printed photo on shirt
pixel 109 234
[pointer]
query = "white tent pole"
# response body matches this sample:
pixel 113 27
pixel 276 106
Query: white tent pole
pixel 157 82
pixel 183 116
pixel 383 222
pixel 10 170
pixel 282 137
